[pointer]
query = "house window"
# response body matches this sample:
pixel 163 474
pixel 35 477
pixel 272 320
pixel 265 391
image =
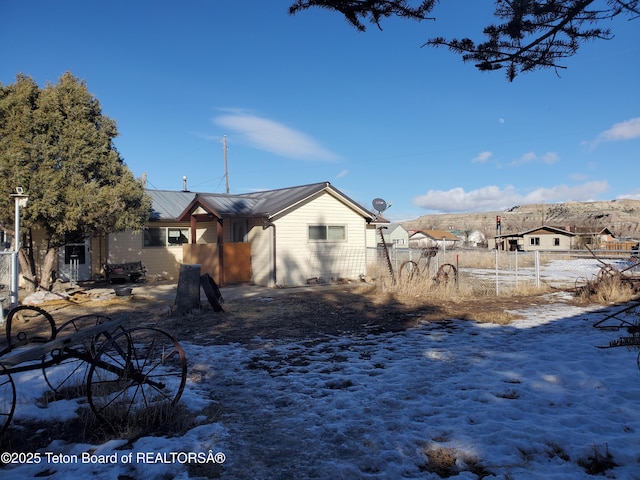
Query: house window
pixel 74 248
pixel 163 236
pixel 74 252
pixel 177 236
pixel 239 230
pixel 556 242
pixel 327 233
pixel 534 241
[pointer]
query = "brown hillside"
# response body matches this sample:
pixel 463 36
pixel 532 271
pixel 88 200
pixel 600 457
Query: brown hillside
pixel 622 217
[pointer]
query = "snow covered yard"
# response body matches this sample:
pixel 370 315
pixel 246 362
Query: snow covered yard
pixel 534 399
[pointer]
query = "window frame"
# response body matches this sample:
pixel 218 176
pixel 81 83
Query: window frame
pixel 327 227
pixel 161 239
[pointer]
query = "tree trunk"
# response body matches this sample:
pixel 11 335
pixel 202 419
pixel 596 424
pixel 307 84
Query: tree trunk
pixel 47 267
pixel 188 295
pixel 27 269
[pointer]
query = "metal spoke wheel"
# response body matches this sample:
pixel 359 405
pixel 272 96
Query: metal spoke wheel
pixel 67 367
pixel 408 270
pixel 607 273
pixel 446 273
pixel 29 324
pixel 7 398
pixel 137 371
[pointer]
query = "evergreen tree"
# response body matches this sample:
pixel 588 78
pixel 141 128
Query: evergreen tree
pixel 529 34
pixel 58 146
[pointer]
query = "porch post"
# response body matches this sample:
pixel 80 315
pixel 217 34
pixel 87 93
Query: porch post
pixel 193 224
pixel 220 252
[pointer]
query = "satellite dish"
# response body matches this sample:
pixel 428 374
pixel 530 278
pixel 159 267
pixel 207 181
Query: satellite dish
pixel 379 205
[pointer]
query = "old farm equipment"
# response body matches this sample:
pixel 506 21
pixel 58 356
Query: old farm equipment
pixel 626 319
pixel 411 270
pixel 624 274
pixel 122 371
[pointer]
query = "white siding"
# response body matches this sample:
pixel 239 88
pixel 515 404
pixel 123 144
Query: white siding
pixel 298 259
pixel 372 239
pixel 261 259
pixel 207 232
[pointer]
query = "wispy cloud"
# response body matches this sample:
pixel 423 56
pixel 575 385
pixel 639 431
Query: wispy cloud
pixel 635 195
pixel 627 130
pixel 492 197
pixel 482 157
pixel 342 174
pixel 272 136
pixel 549 158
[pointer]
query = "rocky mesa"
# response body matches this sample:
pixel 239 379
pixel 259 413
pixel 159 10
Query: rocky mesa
pixel 622 217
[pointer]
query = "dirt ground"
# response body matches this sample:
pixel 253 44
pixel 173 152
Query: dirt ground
pixel 251 317
pixel 287 314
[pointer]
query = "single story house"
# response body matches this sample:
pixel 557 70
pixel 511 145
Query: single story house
pixel 593 238
pixel 284 237
pixel 395 236
pixel 471 238
pixel 432 238
pixel 539 238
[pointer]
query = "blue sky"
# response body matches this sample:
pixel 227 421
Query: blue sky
pixel 306 99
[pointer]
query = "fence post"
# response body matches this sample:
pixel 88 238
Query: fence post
pixel 537 262
pixel 496 272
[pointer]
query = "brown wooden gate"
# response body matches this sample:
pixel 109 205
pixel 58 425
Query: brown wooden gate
pixel 236 261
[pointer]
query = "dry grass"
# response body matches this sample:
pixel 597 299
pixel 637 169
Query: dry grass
pixel 448 462
pixel 607 290
pixel 165 420
pixel 464 288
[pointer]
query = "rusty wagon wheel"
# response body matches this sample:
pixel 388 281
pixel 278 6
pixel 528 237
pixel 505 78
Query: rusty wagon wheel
pixel 7 398
pixel 28 324
pixel 68 366
pixel 139 370
pixel 446 273
pixel 408 270
pixel 607 273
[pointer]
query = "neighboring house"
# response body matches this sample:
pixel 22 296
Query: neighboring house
pixel 595 239
pixel 395 236
pixel 283 237
pixel 432 238
pixel 473 238
pixel 539 238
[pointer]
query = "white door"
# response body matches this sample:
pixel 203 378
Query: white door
pixel 75 258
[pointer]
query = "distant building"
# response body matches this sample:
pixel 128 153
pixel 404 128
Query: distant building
pixel 539 238
pixel 432 238
pixel 473 238
pixel 395 235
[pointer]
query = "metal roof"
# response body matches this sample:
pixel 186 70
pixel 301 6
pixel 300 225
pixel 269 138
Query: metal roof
pixel 170 205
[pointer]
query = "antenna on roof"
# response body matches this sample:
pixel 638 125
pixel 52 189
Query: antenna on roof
pixel 226 169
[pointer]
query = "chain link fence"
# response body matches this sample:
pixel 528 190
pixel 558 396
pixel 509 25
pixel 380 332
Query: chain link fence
pixel 503 270
pixel 336 264
pixel 5 282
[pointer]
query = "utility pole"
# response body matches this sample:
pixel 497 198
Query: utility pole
pixel 226 168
